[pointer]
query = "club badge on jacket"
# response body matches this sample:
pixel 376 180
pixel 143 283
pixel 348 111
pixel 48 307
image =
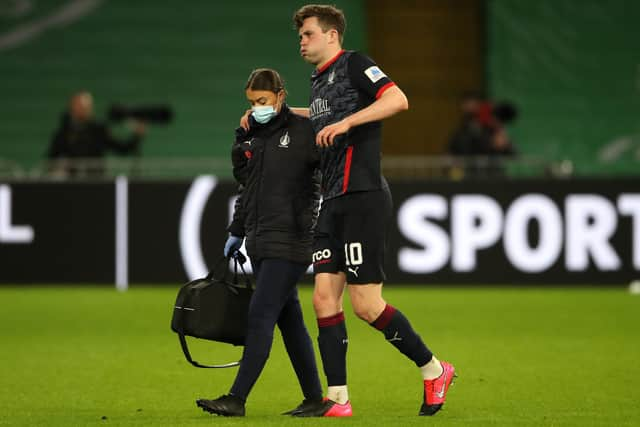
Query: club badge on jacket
pixel 284 140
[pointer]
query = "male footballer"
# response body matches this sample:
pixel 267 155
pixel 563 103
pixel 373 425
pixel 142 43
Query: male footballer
pixel 350 95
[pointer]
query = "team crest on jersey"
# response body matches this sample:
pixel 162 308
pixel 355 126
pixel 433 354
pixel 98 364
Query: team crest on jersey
pixel 374 73
pixel 332 77
pixel 284 140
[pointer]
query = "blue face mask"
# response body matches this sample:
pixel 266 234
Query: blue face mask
pixel 263 113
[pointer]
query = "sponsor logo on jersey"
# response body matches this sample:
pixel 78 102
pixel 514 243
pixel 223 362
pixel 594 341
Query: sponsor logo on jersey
pixel 331 78
pixel 318 108
pixel 322 256
pixel 374 73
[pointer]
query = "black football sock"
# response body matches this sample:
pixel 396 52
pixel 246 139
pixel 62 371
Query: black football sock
pixel 398 331
pixel 332 341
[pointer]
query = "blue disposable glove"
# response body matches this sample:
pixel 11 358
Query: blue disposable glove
pixel 233 244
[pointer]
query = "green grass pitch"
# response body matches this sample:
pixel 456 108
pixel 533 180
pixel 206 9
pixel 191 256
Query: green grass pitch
pixel 525 356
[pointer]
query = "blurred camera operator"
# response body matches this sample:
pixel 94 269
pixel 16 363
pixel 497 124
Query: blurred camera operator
pixel 80 136
pixel 482 138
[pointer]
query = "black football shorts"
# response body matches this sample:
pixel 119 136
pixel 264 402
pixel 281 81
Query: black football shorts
pixel 351 235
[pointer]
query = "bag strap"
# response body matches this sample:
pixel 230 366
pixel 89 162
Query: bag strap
pixel 240 259
pixel 216 267
pixel 187 355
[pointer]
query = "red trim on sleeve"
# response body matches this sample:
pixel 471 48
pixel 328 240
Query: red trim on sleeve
pixel 331 61
pixel 347 169
pixel 384 88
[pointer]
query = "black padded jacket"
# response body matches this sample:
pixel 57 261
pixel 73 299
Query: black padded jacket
pixel 276 167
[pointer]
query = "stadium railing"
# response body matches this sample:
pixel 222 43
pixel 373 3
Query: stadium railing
pixel 395 167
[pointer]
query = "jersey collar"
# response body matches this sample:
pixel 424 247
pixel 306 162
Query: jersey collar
pixel 331 61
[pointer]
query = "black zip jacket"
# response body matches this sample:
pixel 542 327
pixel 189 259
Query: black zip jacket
pixel 276 165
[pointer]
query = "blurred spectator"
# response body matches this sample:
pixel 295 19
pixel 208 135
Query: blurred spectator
pixel 493 119
pixel 80 136
pixel 482 138
pixel 500 143
pixel 467 138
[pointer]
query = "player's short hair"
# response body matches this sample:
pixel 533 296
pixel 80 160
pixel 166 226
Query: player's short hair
pixel 329 17
pixel 265 79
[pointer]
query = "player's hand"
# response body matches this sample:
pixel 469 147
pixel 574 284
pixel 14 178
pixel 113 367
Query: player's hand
pixel 244 121
pixel 325 137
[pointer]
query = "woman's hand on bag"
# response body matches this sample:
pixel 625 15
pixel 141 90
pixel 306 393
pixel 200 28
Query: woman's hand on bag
pixel 233 244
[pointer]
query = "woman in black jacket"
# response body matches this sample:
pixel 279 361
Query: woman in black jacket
pixel 275 162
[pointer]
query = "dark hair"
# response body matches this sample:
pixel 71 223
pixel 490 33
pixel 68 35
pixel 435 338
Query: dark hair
pixel 265 79
pixel 328 17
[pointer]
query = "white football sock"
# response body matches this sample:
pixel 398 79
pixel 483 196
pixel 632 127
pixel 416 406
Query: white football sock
pixel 431 370
pixel 338 393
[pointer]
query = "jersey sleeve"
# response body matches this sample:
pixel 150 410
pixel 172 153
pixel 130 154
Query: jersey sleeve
pixel 367 76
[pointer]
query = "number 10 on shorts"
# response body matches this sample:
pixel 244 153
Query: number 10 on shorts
pixel 353 253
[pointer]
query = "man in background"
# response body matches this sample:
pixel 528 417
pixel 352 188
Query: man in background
pixel 80 136
pixel 481 140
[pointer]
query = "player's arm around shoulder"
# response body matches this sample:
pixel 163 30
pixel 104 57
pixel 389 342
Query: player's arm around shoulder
pixel 300 111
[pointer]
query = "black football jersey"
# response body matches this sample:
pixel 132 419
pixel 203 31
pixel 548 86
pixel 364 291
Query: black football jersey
pixel 348 83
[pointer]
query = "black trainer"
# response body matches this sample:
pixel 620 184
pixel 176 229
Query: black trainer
pixel 306 405
pixel 226 405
